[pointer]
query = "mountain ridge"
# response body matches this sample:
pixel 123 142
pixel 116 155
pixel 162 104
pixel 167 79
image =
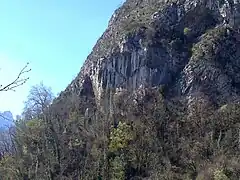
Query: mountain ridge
pixel 6 119
pixel 157 98
pixel 119 58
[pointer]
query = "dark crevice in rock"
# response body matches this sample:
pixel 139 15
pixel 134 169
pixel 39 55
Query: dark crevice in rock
pixel 87 88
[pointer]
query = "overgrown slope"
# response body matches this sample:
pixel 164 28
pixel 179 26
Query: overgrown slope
pixel 158 98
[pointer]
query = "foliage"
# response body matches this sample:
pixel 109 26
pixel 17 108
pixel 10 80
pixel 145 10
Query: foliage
pixel 209 43
pixel 157 139
pixel 119 137
pixel 186 31
pixel 117 169
pixel 7 168
pixel 34 123
pixel 219 175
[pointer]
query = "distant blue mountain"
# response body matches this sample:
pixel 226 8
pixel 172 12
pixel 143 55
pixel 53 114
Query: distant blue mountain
pixel 6 119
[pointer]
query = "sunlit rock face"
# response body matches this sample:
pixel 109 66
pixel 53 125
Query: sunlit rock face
pixel 186 45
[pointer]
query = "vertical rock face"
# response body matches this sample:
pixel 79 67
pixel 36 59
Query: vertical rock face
pixel 188 45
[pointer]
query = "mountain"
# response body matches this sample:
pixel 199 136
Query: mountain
pixel 189 51
pixel 190 48
pixel 6 119
pixel 157 98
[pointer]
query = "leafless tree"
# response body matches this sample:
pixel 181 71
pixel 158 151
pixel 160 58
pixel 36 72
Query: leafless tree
pixel 20 80
pixel 39 99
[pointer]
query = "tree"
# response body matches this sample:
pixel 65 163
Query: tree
pixel 39 99
pixel 18 81
pixel 6 144
pixel 33 133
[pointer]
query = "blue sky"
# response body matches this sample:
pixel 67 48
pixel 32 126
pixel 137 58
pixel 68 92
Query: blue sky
pixel 54 36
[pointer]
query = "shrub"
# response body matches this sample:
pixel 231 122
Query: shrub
pixel 117 169
pixel 186 31
pixel 219 175
pixel 119 137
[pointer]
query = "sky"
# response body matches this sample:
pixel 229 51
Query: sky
pixel 54 36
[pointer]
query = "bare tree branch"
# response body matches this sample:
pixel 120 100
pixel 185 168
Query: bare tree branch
pixel 39 98
pixel 18 81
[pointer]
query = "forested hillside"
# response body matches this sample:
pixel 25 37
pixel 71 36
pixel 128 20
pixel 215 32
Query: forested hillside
pixel 157 98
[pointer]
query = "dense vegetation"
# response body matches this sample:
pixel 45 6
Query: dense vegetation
pixel 146 137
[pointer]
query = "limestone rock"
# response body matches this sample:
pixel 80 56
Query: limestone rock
pixel 188 45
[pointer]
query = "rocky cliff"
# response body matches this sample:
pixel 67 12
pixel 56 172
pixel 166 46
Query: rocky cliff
pixel 165 77
pixel 187 46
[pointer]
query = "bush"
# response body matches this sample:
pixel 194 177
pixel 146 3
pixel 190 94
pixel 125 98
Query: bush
pixel 117 169
pixel 186 31
pixel 119 137
pixel 219 175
